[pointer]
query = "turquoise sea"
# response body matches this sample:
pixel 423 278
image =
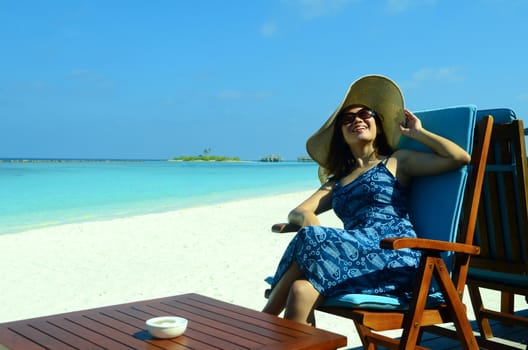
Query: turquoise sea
pixel 40 194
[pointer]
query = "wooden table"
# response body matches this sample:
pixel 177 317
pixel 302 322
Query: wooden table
pixel 213 324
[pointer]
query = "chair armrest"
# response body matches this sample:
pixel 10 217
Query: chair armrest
pixel 428 244
pixel 285 227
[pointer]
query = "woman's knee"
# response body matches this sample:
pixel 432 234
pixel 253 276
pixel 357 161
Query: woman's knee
pixel 302 300
pixel 303 290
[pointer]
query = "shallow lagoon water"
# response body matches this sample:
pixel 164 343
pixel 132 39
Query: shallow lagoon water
pixel 40 194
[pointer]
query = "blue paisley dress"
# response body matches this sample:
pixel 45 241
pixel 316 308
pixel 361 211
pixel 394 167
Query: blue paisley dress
pixel 341 261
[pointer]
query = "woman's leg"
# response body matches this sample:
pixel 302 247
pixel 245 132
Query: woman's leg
pixel 279 293
pixel 302 301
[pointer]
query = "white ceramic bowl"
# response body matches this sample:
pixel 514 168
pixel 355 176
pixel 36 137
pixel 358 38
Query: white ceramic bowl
pixel 166 326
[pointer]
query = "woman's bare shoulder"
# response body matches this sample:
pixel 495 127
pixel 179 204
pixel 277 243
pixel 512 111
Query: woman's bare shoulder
pixel 399 162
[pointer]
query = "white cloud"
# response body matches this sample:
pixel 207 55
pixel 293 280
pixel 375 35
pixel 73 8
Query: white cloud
pixel 442 74
pixel 268 29
pixel 310 9
pixel 397 6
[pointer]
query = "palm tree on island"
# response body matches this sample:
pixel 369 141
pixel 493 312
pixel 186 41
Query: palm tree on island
pixel 205 157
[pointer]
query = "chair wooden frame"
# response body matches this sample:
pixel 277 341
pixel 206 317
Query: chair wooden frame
pixel 369 322
pixel 502 229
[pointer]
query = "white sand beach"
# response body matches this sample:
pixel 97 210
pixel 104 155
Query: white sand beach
pixel 223 251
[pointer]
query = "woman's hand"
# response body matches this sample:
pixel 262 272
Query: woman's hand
pixel 412 126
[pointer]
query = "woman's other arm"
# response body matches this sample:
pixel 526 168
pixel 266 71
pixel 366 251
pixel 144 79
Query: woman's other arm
pixel 305 214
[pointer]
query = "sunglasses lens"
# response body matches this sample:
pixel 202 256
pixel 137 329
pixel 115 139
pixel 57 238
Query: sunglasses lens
pixel 364 114
pixel 348 118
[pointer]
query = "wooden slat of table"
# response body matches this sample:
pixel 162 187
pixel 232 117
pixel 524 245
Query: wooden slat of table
pixel 125 340
pixel 293 335
pixel 200 338
pixel 212 325
pixel 131 325
pixel 8 337
pixel 64 335
pixel 212 331
pixel 241 324
pixel 219 322
pixel 44 340
pixel 259 323
pixel 81 332
pixel 238 317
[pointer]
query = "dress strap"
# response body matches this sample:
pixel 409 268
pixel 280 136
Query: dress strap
pixel 384 161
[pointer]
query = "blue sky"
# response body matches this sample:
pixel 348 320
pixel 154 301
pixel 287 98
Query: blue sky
pixel 162 78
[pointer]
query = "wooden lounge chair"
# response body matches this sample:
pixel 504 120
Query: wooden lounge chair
pixel 502 225
pixel 442 208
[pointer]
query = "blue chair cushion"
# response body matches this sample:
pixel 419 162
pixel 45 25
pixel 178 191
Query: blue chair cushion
pixel 379 302
pixel 435 201
pixel 500 115
pixel 374 302
pixel 506 279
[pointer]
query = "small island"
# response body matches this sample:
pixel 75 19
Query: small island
pixel 205 157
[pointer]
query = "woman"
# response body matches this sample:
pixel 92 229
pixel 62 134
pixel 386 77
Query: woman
pixel 365 181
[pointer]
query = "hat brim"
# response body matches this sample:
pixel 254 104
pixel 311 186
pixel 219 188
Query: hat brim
pixel 375 92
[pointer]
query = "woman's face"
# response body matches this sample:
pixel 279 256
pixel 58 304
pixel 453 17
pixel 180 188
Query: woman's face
pixel 358 125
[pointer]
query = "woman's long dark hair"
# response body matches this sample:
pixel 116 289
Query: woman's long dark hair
pixel 341 161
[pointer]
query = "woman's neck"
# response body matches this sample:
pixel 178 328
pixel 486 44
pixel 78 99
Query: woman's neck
pixel 365 157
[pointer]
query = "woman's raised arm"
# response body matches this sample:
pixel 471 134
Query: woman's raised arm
pixel 447 154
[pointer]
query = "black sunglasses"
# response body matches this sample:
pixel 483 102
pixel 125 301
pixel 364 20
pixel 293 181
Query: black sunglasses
pixel 349 117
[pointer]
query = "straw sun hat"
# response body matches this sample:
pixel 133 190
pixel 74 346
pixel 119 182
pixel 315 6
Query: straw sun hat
pixel 375 92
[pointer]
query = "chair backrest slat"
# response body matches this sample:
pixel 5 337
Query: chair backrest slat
pixel 502 226
pixel 472 198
